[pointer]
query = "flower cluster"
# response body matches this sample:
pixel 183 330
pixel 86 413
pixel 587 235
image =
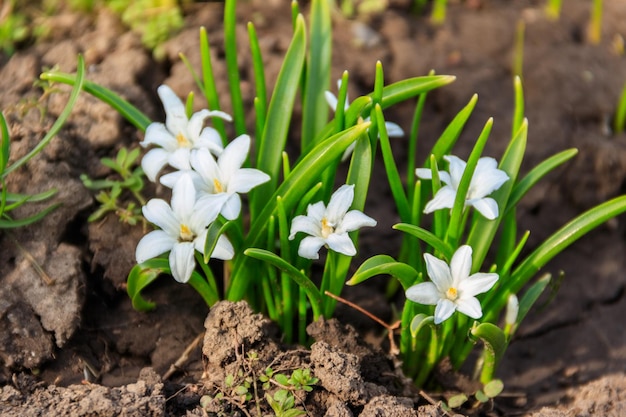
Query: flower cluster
pixel 207 182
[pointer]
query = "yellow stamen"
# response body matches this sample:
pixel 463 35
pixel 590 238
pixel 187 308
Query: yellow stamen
pixel 452 294
pixel 217 186
pixel 183 142
pixel 327 228
pixel 186 235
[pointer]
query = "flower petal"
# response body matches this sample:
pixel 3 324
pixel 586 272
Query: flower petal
pixel 304 224
pixel 331 99
pixel 231 207
pixel 456 169
pixel 310 246
pixel 461 265
pixel 245 179
pixel 424 173
pixel 152 245
pixel 353 220
pixel 206 166
pixel 443 199
pixel 316 211
pixel 210 139
pixel 394 130
pixel 160 213
pixel 341 243
pixel 205 211
pixel 183 198
pixel 487 178
pixel 423 293
pixel 470 307
pixel 179 159
pixel 157 134
pixel 445 308
pixel 234 156
pixel 339 203
pixel 194 126
pixel 439 272
pixel 478 283
pixel 182 262
pixel 175 114
pixel 153 162
pixel 487 206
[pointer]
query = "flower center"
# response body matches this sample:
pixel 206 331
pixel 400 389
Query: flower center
pixel 182 140
pixel 186 235
pixel 452 294
pixel 217 186
pixel 327 228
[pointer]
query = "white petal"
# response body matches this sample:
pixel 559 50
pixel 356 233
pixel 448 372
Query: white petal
pixel 461 264
pixel 223 249
pixel 456 169
pixel 486 206
pixel 175 115
pixel 245 179
pixel 232 207
pixel 439 272
pixel 477 284
pixel 340 202
pixel 153 161
pixel 211 140
pixel 331 99
pixel 341 243
pixel 424 173
pixel 160 213
pixel 470 307
pixel 183 198
pixel 179 159
pixel 170 179
pixel 443 311
pixel 234 156
pixel 195 123
pixel 423 293
pixel 443 199
pixel 316 211
pixel 485 181
pixel 182 262
pixel 206 166
pixel 348 152
pixel 304 224
pixel 354 220
pixel 157 134
pixel 310 246
pixel 153 244
pixel 394 130
pixel 205 211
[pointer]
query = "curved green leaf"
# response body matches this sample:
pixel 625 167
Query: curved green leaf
pixel 495 344
pixel 427 237
pixel 142 275
pixel 384 265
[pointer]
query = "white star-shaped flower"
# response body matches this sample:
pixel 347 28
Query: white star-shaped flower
pixel 178 136
pixel 486 179
pixel 183 230
pixel 393 130
pixel 220 182
pixel 452 288
pixel 330 225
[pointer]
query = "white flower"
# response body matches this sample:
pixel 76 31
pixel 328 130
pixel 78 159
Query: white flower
pixel 486 179
pixel 184 228
pixel 221 182
pixel 393 130
pixel 330 225
pixel 452 288
pixel 178 136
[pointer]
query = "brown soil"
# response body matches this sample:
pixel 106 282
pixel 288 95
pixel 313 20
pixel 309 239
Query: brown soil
pixel 76 347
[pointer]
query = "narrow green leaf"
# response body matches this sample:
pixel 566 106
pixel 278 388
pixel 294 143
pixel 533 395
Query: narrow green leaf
pixel 531 295
pixel 518 112
pixel 11 197
pixel 209 87
pixel 419 322
pixel 276 129
pixel 216 229
pixel 536 174
pixel 123 107
pixel 429 238
pixel 302 280
pixel 15 223
pixel 495 344
pixel 384 265
pixel 314 106
pixel 4 145
pixel 232 67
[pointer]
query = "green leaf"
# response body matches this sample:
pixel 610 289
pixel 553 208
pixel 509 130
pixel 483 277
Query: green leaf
pixel 418 323
pixel 384 264
pixel 300 279
pixel 4 145
pixel 457 400
pixel 427 237
pixel 531 295
pixel 495 344
pixel 481 396
pixel 493 388
pixel 209 87
pixel 272 144
pixel 232 67
pixel 314 107
pixel 14 223
pixel 142 275
pixel 216 229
